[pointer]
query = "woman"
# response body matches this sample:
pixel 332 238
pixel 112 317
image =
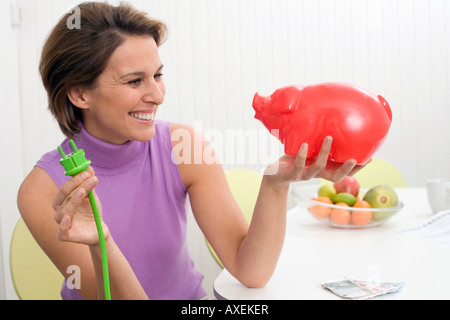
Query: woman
pixel 104 84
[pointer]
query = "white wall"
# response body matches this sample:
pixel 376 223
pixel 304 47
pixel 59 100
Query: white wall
pixel 220 52
pixel 11 157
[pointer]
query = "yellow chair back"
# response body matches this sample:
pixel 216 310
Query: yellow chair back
pixel 378 172
pixel 33 274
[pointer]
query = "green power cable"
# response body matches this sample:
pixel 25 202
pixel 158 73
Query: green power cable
pixel 75 163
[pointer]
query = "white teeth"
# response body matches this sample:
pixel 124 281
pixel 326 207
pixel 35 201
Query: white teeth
pixel 143 116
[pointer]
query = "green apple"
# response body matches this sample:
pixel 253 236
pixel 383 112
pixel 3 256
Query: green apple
pixel 326 191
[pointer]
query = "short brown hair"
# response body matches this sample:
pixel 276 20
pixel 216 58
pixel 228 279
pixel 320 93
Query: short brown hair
pixel 76 57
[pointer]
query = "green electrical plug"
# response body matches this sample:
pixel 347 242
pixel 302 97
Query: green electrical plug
pixel 75 163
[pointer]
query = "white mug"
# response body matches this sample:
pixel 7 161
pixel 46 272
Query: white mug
pixel 438 191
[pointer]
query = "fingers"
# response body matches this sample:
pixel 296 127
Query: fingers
pixel 72 193
pixel 300 159
pixel 64 229
pixel 358 167
pixel 343 170
pixel 70 205
pixel 355 170
pixel 68 188
pixel 320 167
pixel 325 150
pixel 349 168
pixel 321 161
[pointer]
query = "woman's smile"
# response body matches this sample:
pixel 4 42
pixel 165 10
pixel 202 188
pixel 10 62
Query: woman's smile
pixel 144 117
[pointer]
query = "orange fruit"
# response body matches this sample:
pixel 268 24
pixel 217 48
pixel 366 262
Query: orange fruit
pixel 361 218
pixel 323 199
pixel 340 216
pixel 319 211
pixel 362 204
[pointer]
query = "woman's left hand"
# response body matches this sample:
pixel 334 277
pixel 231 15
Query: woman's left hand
pixel 289 168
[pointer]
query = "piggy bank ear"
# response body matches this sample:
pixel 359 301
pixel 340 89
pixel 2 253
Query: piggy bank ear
pixel 287 99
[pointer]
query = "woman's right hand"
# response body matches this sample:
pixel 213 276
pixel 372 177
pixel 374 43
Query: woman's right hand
pixel 73 210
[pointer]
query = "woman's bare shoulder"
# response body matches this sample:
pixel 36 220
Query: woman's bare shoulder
pixel 36 188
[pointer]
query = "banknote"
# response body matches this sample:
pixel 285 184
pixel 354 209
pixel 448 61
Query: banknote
pixel 351 288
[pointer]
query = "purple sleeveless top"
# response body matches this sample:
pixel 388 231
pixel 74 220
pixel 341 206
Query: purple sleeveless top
pixel 144 206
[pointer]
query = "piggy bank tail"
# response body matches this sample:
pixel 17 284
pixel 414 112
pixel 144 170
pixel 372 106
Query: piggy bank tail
pixel 386 106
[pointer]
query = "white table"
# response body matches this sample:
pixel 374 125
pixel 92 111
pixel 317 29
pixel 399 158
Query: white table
pixel 314 252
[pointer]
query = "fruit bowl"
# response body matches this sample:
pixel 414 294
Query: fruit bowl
pixel 342 216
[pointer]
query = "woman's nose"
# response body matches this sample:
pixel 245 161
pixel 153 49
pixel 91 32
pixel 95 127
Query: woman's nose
pixel 154 93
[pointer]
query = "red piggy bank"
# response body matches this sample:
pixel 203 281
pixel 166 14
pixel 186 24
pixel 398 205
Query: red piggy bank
pixel 357 120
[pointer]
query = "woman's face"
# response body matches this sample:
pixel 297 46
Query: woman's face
pixel 123 105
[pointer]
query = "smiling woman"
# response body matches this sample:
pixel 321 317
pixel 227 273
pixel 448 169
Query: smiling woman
pixel 75 58
pixel 104 84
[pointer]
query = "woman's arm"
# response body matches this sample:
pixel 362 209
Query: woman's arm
pixel 250 253
pixel 41 203
pixel 259 251
pixel 123 282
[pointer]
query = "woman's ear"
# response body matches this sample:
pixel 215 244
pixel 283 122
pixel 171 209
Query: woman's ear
pixel 79 98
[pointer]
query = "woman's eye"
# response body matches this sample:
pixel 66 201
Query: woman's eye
pixel 135 82
pixel 158 76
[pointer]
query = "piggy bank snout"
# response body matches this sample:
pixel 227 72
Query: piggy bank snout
pixel 261 102
pixel 282 101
